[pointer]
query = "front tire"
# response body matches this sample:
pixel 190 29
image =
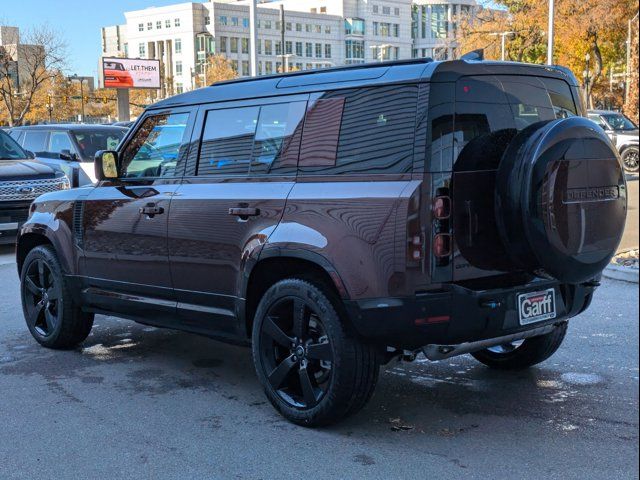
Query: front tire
pixel 52 317
pixel 523 355
pixel 630 159
pixel 313 368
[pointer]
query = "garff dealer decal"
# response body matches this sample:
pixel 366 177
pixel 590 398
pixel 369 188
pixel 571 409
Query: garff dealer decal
pixel 130 73
pixel 537 306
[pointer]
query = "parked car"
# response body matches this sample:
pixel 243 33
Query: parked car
pixel 622 132
pixel 69 147
pixel 338 219
pixel 116 76
pixel 22 179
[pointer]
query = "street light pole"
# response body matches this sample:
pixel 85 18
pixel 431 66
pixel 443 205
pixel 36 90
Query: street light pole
pixel 503 36
pixel 282 36
pixel 550 33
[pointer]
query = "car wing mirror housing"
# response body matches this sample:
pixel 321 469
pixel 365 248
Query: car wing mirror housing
pixel 106 165
pixel 30 154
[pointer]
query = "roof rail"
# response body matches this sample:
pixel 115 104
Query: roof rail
pixel 413 61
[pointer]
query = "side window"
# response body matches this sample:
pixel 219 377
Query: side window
pixel 561 97
pixel 35 140
pixel 59 141
pixel 373 130
pixel 598 119
pixel 227 141
pixel 156 148
pixel 529 100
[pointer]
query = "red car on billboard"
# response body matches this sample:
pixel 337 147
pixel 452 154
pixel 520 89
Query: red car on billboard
pixel 116 76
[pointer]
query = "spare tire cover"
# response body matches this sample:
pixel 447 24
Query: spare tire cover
pixel 561 201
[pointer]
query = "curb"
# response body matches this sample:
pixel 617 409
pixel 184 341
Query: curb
pixel 624 274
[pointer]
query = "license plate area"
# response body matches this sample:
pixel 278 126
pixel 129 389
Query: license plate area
pixel 537 306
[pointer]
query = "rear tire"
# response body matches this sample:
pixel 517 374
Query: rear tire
pixel 531 352
pixel 630 159
pixel 314 369
pixel 52 317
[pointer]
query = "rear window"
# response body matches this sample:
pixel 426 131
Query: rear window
pixel 91 141
pixel 490 110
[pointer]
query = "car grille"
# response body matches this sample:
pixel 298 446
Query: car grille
pixel 31 189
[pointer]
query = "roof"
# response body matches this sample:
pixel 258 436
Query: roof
pixel 71 126
pixel 353 76
pixel 603 112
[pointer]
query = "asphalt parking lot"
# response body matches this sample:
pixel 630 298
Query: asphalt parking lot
pixel 139 402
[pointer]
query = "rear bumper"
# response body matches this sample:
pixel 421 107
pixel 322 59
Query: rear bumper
pixel 457 315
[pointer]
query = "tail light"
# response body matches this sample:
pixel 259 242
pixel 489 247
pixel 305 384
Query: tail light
pixel 441 208
pixel 442 245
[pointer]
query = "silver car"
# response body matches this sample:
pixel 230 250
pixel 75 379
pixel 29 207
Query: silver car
pixel 623 133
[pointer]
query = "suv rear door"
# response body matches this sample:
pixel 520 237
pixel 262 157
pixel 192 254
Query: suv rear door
pixel 231 199
pixel 125 220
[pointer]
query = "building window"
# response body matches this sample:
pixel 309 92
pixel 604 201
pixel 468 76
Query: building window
pixel 309 50
pixel 235 21
pixel 318 50
pixel 288 48
pixel 245 45
pixel 354 51
pixel 288 26
pixel 178 68
pixel 278 47
pixel 268 47
pixel 267 24
pixel 176 22
pixel 245 22
pixel 354 26
pixel 177 45
pixel 234 65
pixel 149 25
pixel 327 50
pixel 375 9
pixel 317 28
pixel 142 50
pixel 307 28
pixel 386 10
pixel 309 66
pixel 259 46
pixel 396 30
pixel 179 88
pixel 141 27
pixel 259 68
pixel 268 68
pixel 384 29
pixel 278 26
pixel 159 25
pixel 167 24
pixel 396 12
pixel 245 68
pixel 298 27
pixel 234 44
pixel 223 44
pixel 327 29
pixel 207 20
pixel 439 21
pixel 299 49
pixel 223 20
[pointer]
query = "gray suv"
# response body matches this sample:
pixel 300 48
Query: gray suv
pixel 622 132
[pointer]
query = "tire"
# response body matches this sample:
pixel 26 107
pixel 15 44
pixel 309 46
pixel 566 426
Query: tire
pixel 51 316
pixel 316 343
pixel 630 159
pixel 531 352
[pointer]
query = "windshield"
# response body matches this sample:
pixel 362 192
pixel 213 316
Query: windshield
pixel 9 148
pixel 90 141
pixel 617 121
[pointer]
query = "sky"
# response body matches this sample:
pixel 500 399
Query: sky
pixel 78 21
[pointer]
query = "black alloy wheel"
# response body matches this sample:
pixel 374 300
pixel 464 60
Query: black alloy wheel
pixel 42 294
pixel 296 353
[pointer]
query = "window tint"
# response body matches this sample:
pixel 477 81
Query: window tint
pixel 227 141
pixel 9 149
pixel 561 97
pixel 59 141
pixel 155 149
pixel 91 141
pixel 35 140
pixel 374 129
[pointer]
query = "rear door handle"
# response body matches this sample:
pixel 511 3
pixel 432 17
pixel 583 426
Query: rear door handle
pixel 151 210
pixel 244 212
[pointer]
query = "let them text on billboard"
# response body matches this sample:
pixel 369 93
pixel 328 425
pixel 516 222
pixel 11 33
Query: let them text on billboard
pixel 131 73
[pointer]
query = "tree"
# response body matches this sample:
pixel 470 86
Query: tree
pixel 631 105
pixel 217 69
pixel 40 58
pixel 594 27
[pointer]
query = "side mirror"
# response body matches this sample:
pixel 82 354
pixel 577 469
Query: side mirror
pixel 106 165
pixel 30 154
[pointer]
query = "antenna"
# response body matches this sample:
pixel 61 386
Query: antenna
pixel 477 55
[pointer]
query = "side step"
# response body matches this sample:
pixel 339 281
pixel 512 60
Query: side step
pixel 440 352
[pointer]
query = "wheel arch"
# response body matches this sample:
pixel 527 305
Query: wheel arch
pixel 32 238
pixel 275 264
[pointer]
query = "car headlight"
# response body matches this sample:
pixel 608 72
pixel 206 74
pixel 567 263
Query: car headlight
pixel 65 184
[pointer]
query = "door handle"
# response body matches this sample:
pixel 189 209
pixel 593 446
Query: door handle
pixel 151 209
pixel 244 212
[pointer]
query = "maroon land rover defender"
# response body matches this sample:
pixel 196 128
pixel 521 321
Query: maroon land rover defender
pixel 339 218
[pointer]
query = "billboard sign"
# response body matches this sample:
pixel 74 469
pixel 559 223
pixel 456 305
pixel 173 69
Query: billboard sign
pixel 130 73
